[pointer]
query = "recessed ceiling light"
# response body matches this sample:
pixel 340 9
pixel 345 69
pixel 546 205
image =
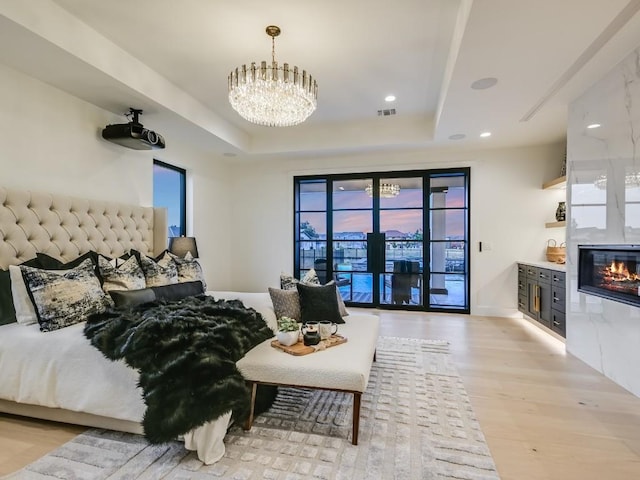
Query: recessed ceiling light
pixel 484 83
pixel 485 134
pixel 594 125
pixel 457 136
pixel 390 98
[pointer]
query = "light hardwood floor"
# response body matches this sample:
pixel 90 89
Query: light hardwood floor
pixel 545 414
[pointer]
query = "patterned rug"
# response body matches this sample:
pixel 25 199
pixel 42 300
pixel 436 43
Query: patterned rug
pixel 416 423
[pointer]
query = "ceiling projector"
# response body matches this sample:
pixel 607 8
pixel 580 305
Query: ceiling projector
pixel 133 134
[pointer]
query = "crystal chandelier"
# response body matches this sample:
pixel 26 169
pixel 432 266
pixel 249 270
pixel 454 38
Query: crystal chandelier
pixel 387 190
pixel 271 95
pixel 631 180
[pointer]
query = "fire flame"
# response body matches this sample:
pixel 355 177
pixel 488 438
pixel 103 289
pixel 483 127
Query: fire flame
pixel 620 273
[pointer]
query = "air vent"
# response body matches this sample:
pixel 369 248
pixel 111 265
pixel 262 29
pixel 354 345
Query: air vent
pixel 387 112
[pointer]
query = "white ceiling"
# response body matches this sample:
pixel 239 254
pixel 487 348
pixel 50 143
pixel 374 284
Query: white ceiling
pixel 172 59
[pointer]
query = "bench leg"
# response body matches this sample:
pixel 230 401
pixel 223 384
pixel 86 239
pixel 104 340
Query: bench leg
pixel 249 422
pixel 356 417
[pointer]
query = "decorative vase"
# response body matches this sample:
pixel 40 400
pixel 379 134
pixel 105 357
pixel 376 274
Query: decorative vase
pixel 561 212
pixel 288 338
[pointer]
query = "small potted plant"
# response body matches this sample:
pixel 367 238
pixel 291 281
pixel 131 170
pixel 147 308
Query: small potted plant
pixel 288 331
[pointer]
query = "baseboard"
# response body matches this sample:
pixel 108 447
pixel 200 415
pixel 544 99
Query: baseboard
pixel 487 311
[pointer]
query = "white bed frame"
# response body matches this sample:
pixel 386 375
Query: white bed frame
pixel 65 228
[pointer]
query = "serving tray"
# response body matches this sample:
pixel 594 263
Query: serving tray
pixel 300 348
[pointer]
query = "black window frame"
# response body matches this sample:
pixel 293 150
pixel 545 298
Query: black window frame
pixel 428 175
pixel 183 193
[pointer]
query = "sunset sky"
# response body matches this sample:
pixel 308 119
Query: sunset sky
pixel 407 221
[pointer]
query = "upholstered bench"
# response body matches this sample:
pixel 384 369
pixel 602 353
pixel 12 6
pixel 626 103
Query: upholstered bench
pixel 343 368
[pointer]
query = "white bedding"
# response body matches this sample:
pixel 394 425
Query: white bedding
pixel 61 369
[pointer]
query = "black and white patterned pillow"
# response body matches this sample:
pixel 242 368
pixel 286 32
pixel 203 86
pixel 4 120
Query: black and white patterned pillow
pixel 65 298
pixel 127 276
pixel 288 281
pixel 189 269
pixel 159 271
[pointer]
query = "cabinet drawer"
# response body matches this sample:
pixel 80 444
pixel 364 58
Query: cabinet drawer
pixel 522 285
pixel 558 278
pixel 532 272
pixel 558 323
pixel 558 298
pixel 522 303
pixel 544 276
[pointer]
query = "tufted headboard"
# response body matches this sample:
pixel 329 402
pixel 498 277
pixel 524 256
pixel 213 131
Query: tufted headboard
pixel 66 227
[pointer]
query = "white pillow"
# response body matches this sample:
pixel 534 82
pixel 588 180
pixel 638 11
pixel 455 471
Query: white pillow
pixel 25 311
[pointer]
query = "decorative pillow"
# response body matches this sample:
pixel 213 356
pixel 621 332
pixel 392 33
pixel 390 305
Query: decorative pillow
pixel 132 298
pixel 189 269
pixel 7 308
pixel 159 271
pixel 341 306
pixel 65 297
pixel 288 281
pixel 319 303
pixel 176 291
pixel 48 262
pixel 127 276
pixel 286 303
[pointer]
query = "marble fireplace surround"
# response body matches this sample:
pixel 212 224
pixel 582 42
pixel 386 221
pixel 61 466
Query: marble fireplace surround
pixel 603 207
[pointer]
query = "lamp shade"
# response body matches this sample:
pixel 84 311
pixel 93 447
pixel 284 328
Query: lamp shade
pixel 181 245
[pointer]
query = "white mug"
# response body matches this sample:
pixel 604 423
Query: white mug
pixel 326 329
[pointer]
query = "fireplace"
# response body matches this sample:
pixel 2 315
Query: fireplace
pixel 610 271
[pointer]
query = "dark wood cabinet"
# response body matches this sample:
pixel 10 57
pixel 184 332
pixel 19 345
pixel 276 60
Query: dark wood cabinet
pixel 541 296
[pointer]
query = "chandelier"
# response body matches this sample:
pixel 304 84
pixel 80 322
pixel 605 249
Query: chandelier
pixel 387 190
pixel 631 180
pixel 271 95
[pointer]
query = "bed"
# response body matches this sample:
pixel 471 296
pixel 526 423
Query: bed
pixel 58 375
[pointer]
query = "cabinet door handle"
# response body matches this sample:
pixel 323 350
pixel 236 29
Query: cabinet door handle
pixel 557 324
pixel 556 279
pixel 556 299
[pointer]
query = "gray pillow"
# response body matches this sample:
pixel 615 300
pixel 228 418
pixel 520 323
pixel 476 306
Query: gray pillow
pixel 285 303
pixel 63 299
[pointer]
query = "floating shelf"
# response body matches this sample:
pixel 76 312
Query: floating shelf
pixel 555 224
pixel 560 182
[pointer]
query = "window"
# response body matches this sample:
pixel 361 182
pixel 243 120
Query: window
pixel 388 239
pixel 169 191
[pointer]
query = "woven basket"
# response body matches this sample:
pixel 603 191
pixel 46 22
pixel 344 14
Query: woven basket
pixel 556 254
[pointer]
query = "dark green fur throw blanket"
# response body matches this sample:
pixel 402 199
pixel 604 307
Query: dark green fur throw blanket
pixel 186 353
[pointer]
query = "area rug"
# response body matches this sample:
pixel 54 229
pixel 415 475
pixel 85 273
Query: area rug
pixel 416 423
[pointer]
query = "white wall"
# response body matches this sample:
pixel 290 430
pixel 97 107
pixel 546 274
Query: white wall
pixel 508 209
pixel 50 142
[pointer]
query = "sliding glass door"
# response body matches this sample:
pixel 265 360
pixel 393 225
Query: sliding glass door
pixel 391 240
